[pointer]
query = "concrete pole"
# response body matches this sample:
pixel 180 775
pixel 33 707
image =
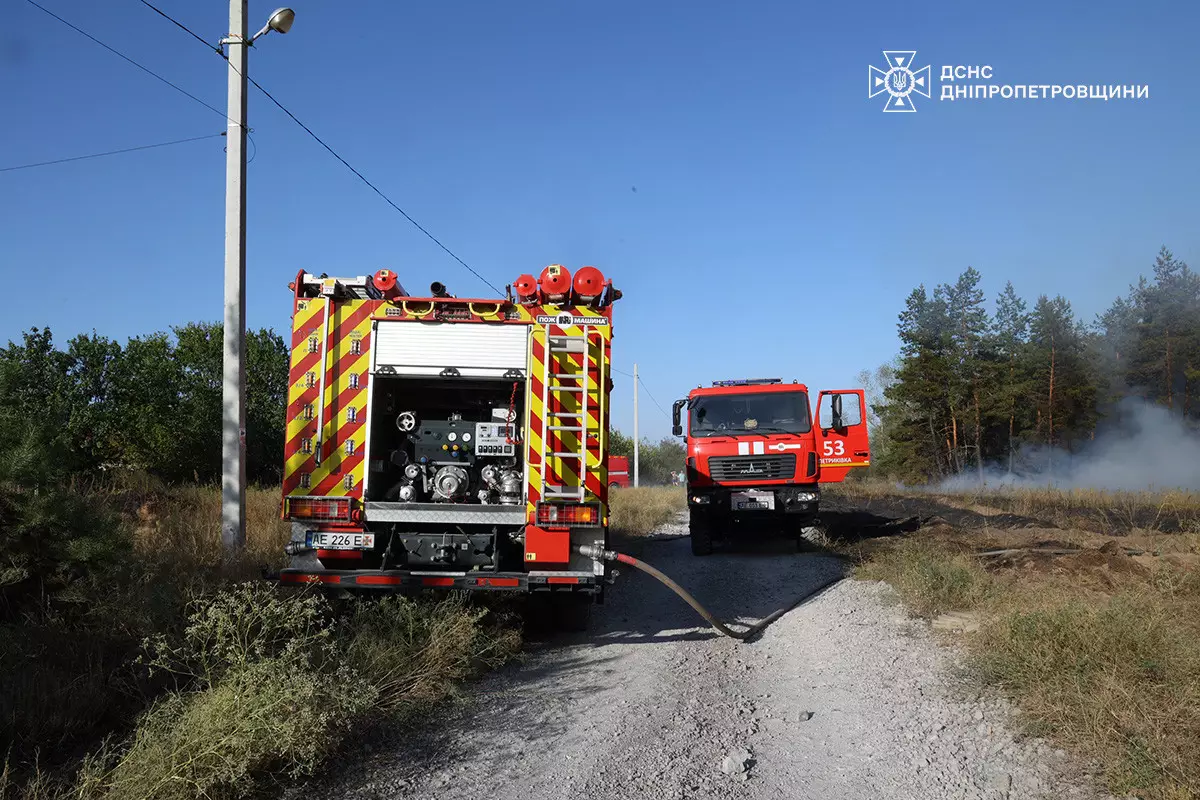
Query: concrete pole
pixel 233 390
pixel 636 441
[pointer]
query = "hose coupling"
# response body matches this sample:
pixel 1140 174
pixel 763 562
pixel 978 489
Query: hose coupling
pixel 596 552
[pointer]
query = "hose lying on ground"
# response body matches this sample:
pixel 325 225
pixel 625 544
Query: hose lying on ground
pixel 600 554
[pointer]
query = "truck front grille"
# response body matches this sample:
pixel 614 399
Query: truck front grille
pixel 752 468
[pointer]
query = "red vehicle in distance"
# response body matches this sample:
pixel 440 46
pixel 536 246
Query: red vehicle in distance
pixel 618 471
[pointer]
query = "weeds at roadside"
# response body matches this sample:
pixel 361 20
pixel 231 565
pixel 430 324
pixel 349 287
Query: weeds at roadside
pixel 237 683
pixel 931 580
pixel 269 683
pixel 1114 676
pixel 641 511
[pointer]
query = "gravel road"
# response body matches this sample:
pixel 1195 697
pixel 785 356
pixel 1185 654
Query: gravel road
pixel 843 697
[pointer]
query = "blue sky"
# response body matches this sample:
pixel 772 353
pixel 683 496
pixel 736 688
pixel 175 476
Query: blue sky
pixel 721 162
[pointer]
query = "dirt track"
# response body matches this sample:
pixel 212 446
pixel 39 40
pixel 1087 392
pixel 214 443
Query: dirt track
pixel 843 697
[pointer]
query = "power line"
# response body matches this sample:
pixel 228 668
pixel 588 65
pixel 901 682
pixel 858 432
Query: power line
pixel 643 385
pixel 181 26
pixel 334 153
pixel 660 408
pixel 373 187
pixel 109 153
pixel 145 69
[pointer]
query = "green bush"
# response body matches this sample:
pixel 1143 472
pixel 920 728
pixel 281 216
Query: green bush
pixel 270 683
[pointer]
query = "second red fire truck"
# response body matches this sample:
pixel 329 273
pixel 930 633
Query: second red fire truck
pixel 757 454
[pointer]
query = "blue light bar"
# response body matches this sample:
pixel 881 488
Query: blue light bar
pixel 747 381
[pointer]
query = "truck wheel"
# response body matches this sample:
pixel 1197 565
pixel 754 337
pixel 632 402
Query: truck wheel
pixel 700 531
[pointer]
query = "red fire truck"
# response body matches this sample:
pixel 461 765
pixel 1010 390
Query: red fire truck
pixel 437 441
pixel 757 455
pixel 618 471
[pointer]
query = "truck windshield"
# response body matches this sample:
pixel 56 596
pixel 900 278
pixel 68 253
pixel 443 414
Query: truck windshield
pixel 757 412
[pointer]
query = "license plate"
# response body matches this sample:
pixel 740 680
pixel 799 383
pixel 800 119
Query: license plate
pixel 336 540
pixel 753 501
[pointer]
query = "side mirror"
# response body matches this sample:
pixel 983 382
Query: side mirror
pixel 676 425
pixel 677 430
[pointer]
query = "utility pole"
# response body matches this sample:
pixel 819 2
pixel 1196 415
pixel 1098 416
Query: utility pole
pixel 636 442
pixel 233 372
pixel 233 387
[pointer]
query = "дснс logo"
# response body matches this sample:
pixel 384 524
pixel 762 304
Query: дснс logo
pixel 900 81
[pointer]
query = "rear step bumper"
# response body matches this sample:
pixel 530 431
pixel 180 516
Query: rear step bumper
pixel 394 580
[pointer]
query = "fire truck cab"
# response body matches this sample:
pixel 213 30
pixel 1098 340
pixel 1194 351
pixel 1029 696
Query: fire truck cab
pixel 757 455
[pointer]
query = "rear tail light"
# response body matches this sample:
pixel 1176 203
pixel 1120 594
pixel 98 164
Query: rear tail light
pixel 321 509
pixel 564 514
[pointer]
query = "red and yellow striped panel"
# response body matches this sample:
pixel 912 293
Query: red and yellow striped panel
pixel 332 425
pixel 540 416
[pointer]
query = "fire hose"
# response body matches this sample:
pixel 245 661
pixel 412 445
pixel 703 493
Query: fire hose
pixel 600 554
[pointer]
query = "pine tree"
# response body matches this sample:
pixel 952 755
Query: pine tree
pixel 1011 337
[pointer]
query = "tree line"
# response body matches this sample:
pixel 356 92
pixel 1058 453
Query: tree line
pixel 154 404
pixel 151 404
pixel 972 388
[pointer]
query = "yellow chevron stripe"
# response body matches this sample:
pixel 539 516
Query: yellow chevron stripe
pixel 534 412
pixel 307 320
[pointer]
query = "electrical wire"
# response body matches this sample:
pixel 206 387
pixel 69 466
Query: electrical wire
pixel 181 26
pixel 373 187
pixel 660 408
pixel 335 154
pixel 642 383
pixel 143 68
pixel 109 153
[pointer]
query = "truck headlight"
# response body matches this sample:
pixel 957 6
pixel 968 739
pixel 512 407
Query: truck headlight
pixel 806 497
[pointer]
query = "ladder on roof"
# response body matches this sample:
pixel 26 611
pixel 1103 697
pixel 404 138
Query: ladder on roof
pixel 566 389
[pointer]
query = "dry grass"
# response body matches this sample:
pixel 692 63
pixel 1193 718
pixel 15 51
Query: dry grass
pixel 282 681
pixel 251 682
pixel 641 511
pixel 931 578
pixel 185 523
pixel 1101 649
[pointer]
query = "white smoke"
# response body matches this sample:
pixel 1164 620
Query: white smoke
pixel 1144 447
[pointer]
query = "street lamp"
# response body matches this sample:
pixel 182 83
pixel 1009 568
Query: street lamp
pixel 233 390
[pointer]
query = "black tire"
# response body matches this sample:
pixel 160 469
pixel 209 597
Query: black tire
pixel 700 529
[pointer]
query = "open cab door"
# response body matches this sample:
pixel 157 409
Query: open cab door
pixel 841 428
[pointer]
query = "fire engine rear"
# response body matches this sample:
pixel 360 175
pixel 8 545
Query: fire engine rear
pixel 437 441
